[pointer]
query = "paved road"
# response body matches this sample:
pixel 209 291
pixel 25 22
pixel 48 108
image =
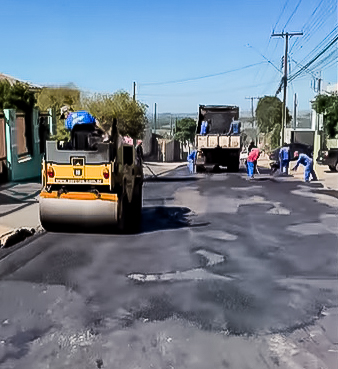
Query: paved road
pixel 227 273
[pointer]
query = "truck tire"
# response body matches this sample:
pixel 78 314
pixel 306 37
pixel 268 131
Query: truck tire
pixel 333 168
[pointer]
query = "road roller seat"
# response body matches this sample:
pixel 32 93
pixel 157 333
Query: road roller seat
pixel 85 136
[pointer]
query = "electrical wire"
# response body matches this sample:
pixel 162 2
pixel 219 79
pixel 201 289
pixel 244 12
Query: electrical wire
pixel 280 15
pixel 320 45
pixel 201 77
pixel 269 61
pixel 314 23
pixel 196 93
pixel 300 71
pixel 293 13
pixel 301 66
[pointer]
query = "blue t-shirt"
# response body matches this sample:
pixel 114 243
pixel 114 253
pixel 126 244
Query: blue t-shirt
pixel 284 153
pixel 304 160
pixel 204 126
pixel 235 128
pixel 192 155
pixel 78 117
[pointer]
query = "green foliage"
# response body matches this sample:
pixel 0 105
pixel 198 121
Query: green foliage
pixel 269 113
pixel 269 117
pixel 185 130
pixel 18 96
pixel 49 98
pixel 130 114
pixel 328 106
pixel 56 98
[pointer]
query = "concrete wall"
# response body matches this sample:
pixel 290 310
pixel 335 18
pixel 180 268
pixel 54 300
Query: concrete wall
pixel 29 166
pixel 332 143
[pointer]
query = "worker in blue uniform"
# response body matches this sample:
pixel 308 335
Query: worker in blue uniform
pixel 308 164
pixel 192 161
pixel 284 159
pixel 235 128
pixel 204 127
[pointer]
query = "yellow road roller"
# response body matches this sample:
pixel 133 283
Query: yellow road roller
pixel 88 183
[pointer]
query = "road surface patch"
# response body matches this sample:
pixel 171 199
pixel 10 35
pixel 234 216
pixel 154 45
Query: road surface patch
pixel 221 235
pixel 197 274
pixel 328 224
pixel 186 275
pixel 211 257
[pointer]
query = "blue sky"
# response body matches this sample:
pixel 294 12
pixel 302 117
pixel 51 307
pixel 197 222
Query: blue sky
pixel 105 45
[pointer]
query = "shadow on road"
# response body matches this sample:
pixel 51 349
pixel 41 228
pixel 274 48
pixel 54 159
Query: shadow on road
pixel 154 218
pixel 332 193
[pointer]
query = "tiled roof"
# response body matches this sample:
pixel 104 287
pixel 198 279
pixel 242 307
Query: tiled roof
pixel 12 80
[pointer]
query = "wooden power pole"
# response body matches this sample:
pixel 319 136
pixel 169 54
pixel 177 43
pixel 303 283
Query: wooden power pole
pixel 252 109
pixel 285 77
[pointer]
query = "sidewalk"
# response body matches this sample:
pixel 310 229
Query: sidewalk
pixel 325 176
pixel 18 205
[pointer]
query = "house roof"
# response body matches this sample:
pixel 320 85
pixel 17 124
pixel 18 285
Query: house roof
pixel 13 80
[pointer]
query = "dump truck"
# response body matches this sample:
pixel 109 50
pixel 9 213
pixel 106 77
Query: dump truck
pixel 91 185
pixel 217 147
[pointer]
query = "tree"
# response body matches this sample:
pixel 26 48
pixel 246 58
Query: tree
pixel 49 98
pixel 328 106
pixel 55 98
pixel 269 117
pixel 185 130
pixel 19 96
pixel 130 114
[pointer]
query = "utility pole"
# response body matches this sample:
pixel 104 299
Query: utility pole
pixel 134 91
pixel 317 140
pixel 285 77
pixel 294 118
pixel 252 109
pixel 155 119
pixel 171 127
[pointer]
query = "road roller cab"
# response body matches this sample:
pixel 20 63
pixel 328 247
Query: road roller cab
pixel 91 183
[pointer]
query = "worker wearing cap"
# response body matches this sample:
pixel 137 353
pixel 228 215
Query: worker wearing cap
pixel 308 164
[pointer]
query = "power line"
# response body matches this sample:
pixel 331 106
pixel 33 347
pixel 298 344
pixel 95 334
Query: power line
pixel 301 66
pixel 300 71
pixel 313 51
pixel 269 61
pixel 280 15
pixel 313 25
pixel 285 77
pixel 201 77
pixel 196 93
pixel 293 13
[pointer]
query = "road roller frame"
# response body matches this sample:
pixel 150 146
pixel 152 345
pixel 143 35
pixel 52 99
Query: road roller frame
pixel 96 188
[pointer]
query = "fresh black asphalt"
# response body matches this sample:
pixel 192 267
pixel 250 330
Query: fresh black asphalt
pixel 221 265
